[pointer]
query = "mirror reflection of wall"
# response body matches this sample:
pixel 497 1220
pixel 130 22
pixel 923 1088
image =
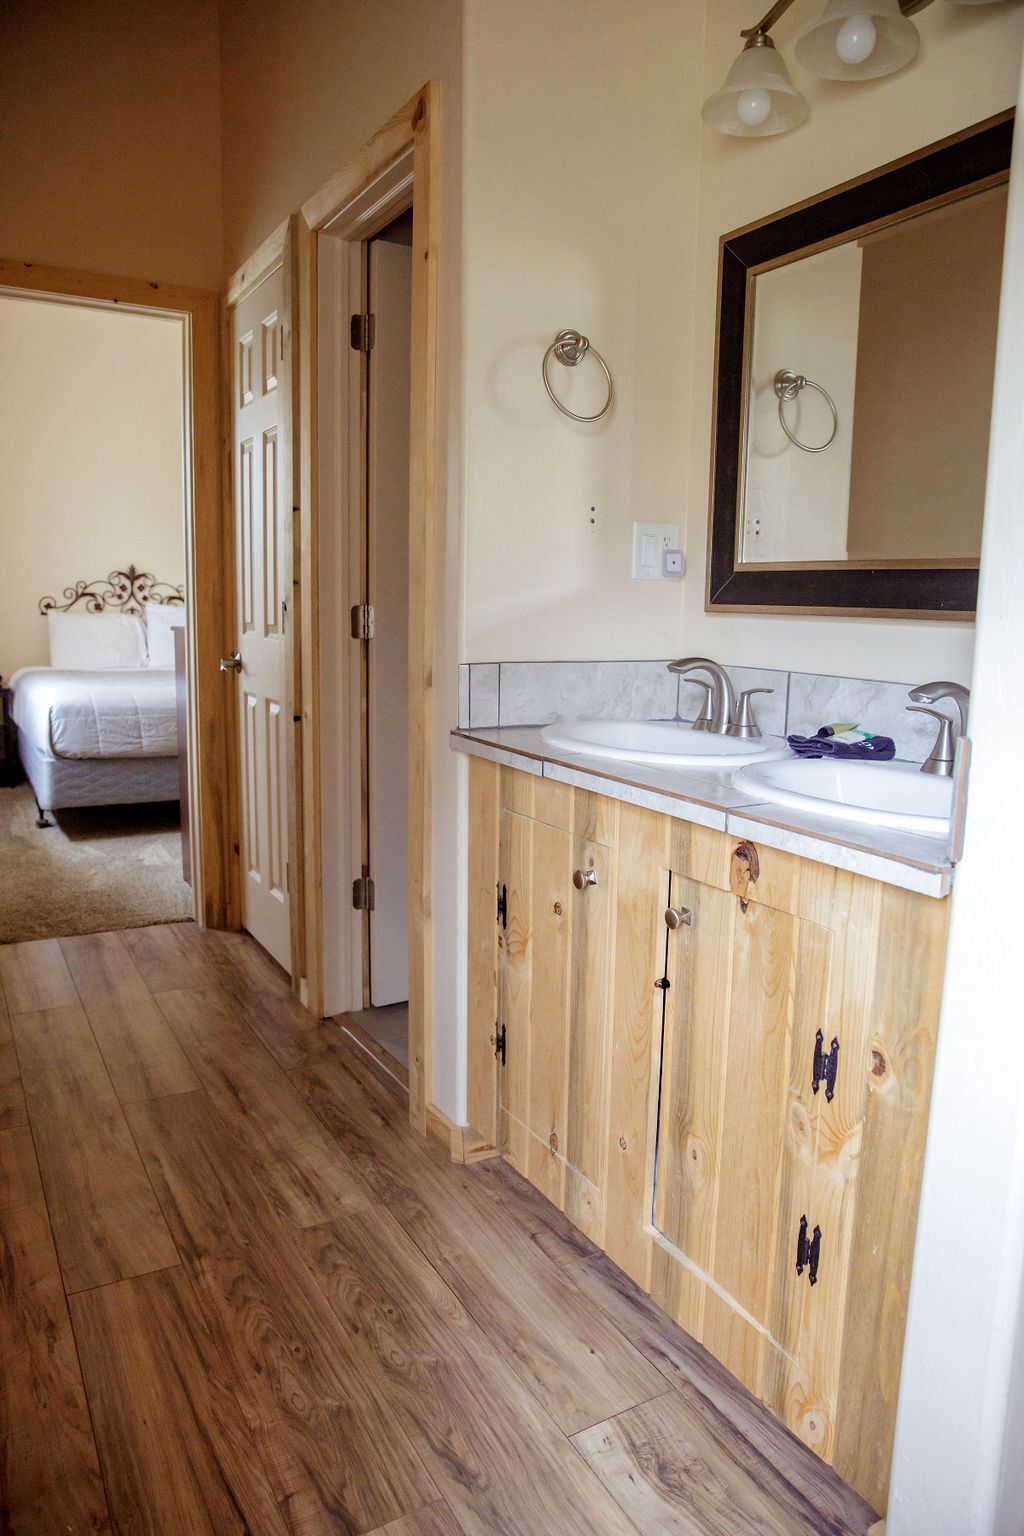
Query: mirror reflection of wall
pixel 899 327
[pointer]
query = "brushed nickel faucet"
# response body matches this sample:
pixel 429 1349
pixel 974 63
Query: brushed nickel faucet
pixel 720 711
pixel 940 759
pixel 723 699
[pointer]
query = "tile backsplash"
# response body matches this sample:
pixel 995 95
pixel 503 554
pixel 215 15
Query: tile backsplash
pixel 539 692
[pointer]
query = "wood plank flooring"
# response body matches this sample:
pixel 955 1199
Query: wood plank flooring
pixel 239 1294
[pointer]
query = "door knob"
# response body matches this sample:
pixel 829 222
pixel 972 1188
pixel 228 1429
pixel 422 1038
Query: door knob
pixel 675 917
pixel 231 663
pixel 584 877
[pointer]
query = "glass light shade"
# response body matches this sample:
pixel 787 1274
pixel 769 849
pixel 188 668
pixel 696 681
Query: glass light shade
pixel 896 40
pixel 758 97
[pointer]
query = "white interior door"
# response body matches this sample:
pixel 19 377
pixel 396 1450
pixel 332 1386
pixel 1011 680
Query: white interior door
pixel 388 593
pixel 261 521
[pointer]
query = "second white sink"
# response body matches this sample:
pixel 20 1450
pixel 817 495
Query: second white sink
pixel 659 743
pixel 880 794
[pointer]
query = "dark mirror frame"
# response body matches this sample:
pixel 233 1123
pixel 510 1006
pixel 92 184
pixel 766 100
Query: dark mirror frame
pixel 968 162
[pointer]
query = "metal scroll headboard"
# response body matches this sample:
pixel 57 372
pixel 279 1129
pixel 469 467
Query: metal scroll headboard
pixel 126 591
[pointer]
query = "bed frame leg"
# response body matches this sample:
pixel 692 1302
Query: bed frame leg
pixel 43 820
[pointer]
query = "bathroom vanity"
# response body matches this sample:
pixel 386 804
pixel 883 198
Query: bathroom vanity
pixel 707 1035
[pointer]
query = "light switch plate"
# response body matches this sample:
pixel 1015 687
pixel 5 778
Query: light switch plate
pixel 650 540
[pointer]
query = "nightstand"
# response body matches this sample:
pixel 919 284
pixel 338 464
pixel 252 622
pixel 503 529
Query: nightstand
pixel 11 771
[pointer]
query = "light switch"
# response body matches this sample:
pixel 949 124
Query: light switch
pixel 651 543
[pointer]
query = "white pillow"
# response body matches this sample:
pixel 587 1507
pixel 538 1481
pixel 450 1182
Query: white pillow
pixel 96 642
pixel 161 619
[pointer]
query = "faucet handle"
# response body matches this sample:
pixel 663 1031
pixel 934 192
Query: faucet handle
pixel 940 759
pixel 743 723
pixel 705 714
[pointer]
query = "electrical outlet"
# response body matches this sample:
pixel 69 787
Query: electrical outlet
pixel 650 543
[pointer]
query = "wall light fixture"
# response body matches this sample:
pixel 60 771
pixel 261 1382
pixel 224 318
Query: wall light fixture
pixel 852 40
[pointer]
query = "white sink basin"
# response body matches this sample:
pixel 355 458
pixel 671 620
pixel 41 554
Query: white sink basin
pixel 660 743
pixel 880 794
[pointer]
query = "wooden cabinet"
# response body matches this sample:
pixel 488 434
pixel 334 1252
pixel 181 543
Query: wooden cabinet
pixel 735 1108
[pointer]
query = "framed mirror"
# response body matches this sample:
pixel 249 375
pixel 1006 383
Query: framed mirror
pixel 853 390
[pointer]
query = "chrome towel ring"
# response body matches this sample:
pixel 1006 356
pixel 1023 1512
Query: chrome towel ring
pixel 570 348
pixel 788 386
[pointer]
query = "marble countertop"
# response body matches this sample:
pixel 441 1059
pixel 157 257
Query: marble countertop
pixel 709 798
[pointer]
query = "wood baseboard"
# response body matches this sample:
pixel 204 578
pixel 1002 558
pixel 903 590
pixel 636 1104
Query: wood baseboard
pixel 461 1142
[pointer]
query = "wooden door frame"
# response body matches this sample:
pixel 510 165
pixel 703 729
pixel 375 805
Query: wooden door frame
pixel 346 203
pixel 210 598
pixel 278 250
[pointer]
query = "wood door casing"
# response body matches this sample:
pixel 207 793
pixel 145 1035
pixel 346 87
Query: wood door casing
pixel 262 519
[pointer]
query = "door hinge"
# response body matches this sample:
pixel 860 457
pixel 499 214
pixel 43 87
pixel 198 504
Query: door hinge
pixel 503 905
pixel 363 332
pixel 808 1251
pixel 826 1065
pixel 363 619
pixel 363 894
pixel 500 1042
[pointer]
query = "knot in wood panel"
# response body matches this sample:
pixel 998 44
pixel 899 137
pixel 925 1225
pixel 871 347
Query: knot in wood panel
pixel 744 872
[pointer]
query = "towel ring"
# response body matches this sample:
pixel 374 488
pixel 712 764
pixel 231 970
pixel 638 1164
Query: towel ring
pixel 570 348
pixel 788 386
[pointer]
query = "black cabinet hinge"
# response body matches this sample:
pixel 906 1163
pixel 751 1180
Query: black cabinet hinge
pixel 808 1251
pixel 363 894
pixel 663 983
pixel 363 332
pixel 503 905
pixel 500 1042
pixel 826 1064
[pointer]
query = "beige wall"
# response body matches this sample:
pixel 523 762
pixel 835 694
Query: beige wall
pixel 595 197
pixel 109 122
pixel 581 179
pixel 90 444
pixel 305 83
pixel 967 70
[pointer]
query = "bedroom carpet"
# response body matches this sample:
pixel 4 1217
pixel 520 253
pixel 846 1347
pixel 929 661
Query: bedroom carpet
pixel 97 869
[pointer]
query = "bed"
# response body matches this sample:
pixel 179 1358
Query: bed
pixel 106 734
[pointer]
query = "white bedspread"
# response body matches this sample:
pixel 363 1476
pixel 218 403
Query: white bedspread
pixel 127 713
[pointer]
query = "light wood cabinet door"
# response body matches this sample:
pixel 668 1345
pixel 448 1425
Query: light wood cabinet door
pixel 556 899
pixel 736 1137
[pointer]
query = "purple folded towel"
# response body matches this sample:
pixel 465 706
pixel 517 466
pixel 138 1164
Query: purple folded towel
pixel 879 749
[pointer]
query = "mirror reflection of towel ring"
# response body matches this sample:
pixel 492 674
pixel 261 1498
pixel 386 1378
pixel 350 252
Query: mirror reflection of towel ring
pixel 570 348
pixel 787 386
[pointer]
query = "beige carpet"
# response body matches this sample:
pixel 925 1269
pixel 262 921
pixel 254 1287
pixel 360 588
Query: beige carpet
pixel 107 867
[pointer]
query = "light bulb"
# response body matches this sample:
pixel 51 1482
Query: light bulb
pixel 753 106
pixel 855 40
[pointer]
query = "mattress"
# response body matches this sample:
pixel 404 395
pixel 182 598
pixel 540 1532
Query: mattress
pixel 74 715
pixel 60 783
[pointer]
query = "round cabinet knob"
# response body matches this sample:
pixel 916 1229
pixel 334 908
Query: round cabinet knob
pixel 675 917
pixel 584 877
pixel 231 663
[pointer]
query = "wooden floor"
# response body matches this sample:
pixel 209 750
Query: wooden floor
pixel 238 1294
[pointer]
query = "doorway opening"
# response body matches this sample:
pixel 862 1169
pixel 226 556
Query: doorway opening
pixel 115 600
pixel 94 826
pixel 352 779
